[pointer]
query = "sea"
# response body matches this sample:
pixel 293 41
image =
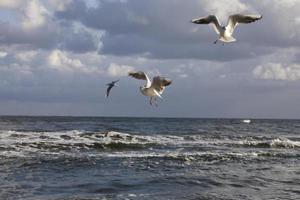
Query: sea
pixel 82 158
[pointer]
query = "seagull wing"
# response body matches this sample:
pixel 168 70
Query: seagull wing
pixel 159 83
pixel 142 76
pixel 207 20
pixel 108 90
pixel 234 20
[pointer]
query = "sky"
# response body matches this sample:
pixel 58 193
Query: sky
pixel 56 57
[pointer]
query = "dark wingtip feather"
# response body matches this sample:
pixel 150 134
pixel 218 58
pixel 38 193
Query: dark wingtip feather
pixel 130 73
pixel 200 21
pixel 167 82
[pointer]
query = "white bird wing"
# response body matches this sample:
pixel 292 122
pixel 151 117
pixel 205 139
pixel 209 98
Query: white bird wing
pixel 142 76
pixel 234 20
pixel 208 20
pixel 159 83
pixel 158 94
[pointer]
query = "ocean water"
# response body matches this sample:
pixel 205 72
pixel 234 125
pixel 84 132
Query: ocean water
pixel 145 158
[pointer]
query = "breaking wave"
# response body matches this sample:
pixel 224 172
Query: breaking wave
pixel 274 143
pixel 117 144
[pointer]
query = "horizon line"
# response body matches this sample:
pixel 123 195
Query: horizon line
pixel 154 117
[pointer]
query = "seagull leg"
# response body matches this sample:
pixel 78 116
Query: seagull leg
pixel 215 42
pixel 151 101
pixel 155 100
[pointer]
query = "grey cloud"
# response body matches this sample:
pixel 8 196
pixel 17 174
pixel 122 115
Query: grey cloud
pixel 11 35
pixel 162 29
pixel 130 44
pixel 50 36
pixel 78 41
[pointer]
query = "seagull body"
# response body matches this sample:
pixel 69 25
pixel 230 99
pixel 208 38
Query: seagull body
pixel 111 85
pixel 225 32
pixel 152 89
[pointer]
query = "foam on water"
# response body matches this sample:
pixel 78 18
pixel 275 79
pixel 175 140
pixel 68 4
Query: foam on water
pixel 117 144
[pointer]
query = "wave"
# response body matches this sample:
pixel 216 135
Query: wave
pixel 76 141
pixel 274 143
pixel 205 156
pixel 152 158
pixel 53 142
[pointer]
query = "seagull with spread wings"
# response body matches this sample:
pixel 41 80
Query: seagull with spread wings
pixel 152 89
pixel 111 85
pixel 225 32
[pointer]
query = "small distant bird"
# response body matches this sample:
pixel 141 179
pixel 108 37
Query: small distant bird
pixel 111 85
pixel 152 89
pixel 225 32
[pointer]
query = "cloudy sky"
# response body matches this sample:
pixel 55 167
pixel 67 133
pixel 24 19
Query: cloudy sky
pixel 57 55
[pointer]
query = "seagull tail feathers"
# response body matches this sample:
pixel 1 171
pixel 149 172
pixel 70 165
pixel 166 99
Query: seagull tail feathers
pixel 228 39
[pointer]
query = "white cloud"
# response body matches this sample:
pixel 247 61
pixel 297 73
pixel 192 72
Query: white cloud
pixel 62 61
pixel 223 8
pixel 26 56
pixel 58 58
pixel 21 69
pixel 115 70
pixel 3 54
pixel 180 72
pixel 276 71
pixel 10 3
pixel 59 5
pixel 34 15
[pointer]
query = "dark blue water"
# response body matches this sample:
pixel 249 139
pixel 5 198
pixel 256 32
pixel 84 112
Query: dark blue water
pixel 142 158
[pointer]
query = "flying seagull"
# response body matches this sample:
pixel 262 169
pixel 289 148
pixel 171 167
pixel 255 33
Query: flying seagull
pixel 225 32
pixel 152 89
pixel 111 85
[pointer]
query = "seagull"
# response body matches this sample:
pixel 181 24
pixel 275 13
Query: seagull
pixel 152 89
pixel 225 32
pixel 111 85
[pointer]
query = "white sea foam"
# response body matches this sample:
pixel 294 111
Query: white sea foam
pixel 274 143
pixel 15 143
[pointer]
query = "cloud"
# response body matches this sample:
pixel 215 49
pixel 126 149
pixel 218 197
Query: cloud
pixel 80 39
pixel 33 26
pixel 115 70
pixel 34 15
pixel 3 54
pixel 276 71
pixel 168 35
pixel 156 33
pixel 58 51
pixel 61 61
pixel 10 3
pixel 26 56
pixel 224 8
pixel 59 5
